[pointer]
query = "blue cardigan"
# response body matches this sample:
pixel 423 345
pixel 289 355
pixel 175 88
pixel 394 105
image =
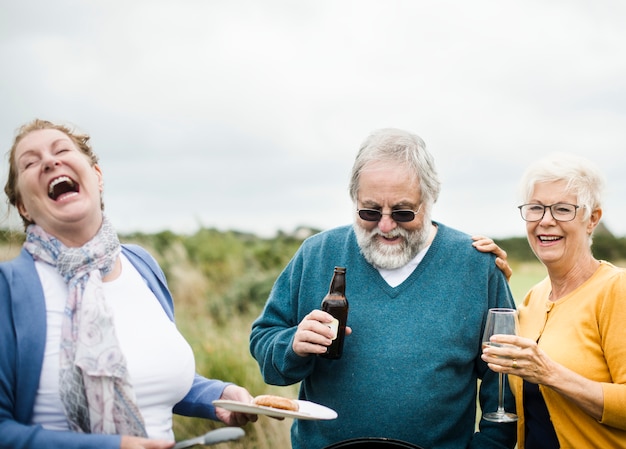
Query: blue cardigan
pixel 22 342
pixel 410 368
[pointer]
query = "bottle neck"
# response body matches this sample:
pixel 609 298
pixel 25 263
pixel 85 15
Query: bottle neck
pixel 338 284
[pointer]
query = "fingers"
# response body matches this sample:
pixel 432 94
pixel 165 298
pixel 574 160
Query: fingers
pixel 506 365
pixel 504 266
pixel 313 335
pixel 500 364
pixel 525 359
pixel 484 244
pixel 512 355
pixel 235 393
pixel 234 418
pixel 487 245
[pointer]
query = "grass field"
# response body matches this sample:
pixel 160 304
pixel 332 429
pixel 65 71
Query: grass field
pixel 525 275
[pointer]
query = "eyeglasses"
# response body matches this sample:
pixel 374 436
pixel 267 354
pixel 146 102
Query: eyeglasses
pixel 399 216
pixel 559 211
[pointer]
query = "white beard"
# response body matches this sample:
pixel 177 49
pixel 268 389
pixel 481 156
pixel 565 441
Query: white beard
pixel 390 257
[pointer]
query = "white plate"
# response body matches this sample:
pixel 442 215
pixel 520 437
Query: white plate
pixel 307 410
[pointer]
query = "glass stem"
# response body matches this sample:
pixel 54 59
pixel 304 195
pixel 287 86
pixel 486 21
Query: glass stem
pixel 501 393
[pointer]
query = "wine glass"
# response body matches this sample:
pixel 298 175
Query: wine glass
pixel 500 321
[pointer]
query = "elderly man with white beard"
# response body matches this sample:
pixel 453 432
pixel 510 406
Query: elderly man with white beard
pixel 419 293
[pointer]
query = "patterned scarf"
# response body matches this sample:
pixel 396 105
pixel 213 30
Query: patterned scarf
pixel 93 382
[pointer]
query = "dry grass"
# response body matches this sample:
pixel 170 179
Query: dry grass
pixel 9 250
pixel 221 352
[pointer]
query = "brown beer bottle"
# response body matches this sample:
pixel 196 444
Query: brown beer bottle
pixel 336 303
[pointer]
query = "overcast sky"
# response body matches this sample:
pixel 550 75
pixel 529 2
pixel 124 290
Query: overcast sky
pixel 247 115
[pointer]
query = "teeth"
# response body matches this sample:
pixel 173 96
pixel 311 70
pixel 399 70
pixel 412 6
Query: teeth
pixel 58 181
pixel 552 238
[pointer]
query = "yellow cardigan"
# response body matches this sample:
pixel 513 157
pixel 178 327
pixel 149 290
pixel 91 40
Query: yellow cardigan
pixel 586 332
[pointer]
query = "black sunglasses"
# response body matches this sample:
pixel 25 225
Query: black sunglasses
pixel 399 216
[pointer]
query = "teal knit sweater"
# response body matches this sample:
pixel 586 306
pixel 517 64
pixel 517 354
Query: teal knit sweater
pixel 409 369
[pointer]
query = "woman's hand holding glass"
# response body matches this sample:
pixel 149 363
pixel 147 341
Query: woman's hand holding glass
pixel 519 356
pixel 500 321
pixel 504 354
pixel 524 358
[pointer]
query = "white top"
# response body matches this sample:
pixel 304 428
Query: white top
pixel 397 276
pixel 160 362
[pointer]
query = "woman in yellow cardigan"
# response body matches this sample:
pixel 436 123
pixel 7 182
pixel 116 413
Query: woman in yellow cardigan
pixel 567 368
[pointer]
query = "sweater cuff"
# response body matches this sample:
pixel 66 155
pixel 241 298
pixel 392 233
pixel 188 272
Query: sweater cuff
pixel 614 413
pixel 299 367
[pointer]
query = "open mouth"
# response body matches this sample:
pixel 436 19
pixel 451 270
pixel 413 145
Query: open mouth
pixel 548 238
pixel 60 186
pixel 390 238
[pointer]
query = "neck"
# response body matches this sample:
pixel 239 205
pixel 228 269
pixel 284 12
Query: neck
pixel 433 233
pixel 75 235
pixel 567 280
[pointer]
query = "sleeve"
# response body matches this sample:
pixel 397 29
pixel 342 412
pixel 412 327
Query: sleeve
pixel 271 338
pixel 198 403
pixel 492 435
pixel 613 331
pixel 14 435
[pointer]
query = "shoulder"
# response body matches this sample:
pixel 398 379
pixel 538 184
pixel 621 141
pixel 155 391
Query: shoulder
pixel 150 270
pixel 142 260
pixel 321 250
pixel 331 241
pixel 22 259
pixel 610 277
pixel 460 243
pixel 330 237
pixel 451 235
pixel 338 233
pixel 608 270
pixel 137 253
pixel 23 263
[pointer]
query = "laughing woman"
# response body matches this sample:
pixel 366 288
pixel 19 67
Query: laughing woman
pixel 568 366
pixel 91 357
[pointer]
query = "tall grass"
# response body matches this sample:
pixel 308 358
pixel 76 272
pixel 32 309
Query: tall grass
pixel 215 312
pixel 221 352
